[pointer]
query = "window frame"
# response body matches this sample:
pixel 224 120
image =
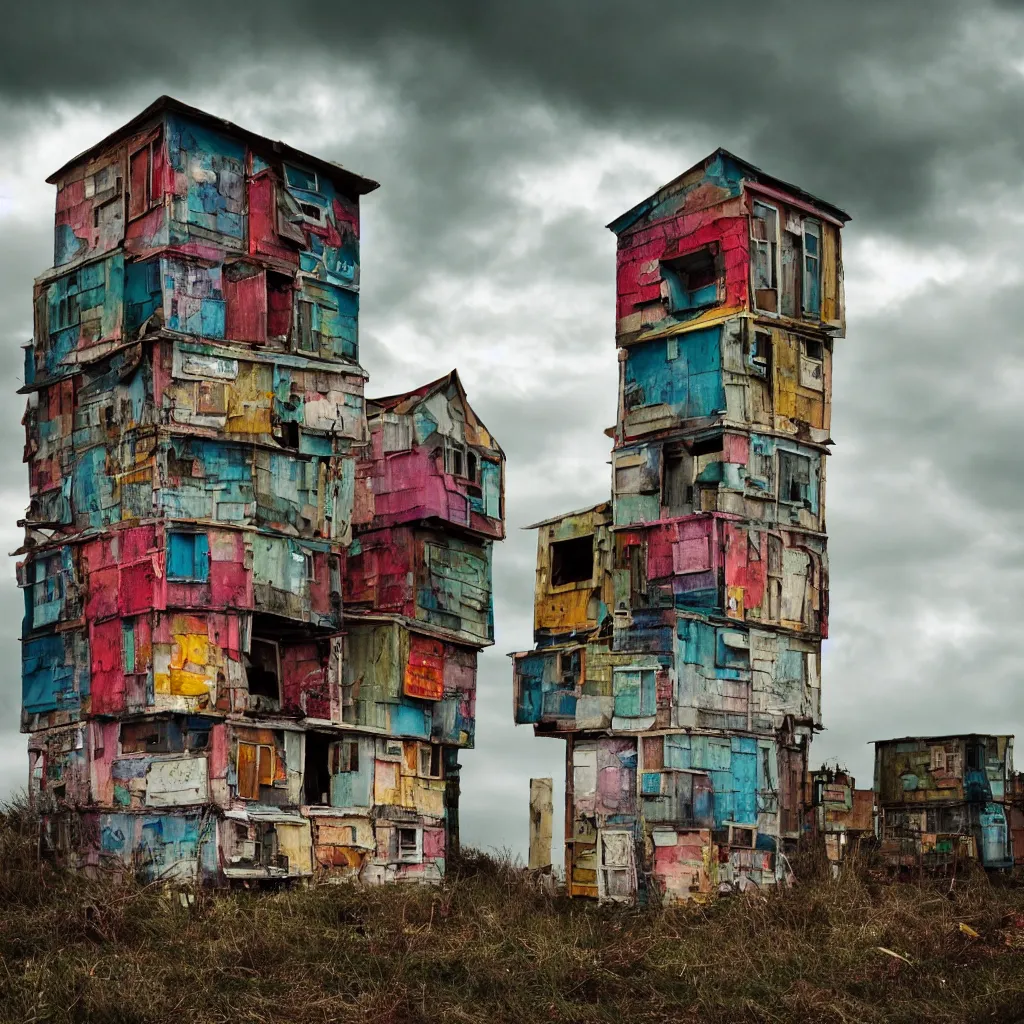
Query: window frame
pixel 774 255
pixel 286 165
pixel 406 853
pixel 435 761
pixel 805 267
pixel 570 584
pixel 618 671
pixel 805 500
pixel 200 550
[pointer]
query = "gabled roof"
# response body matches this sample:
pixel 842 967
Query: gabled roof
pixel 633 214
pixel 349 181
pixel 408 400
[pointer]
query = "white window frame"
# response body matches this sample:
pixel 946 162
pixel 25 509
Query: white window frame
pixel 428 750
pixel 605 871
pixel 409 855
pixel 812 368
pixel 774 259
pixel 811 227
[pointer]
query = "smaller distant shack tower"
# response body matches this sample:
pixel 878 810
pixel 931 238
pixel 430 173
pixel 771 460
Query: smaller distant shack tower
pixel 944 800
pixel 678 625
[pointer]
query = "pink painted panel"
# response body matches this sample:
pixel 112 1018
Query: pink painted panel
pixel 433 843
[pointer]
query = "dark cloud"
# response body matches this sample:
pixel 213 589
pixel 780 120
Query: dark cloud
pixel 873 103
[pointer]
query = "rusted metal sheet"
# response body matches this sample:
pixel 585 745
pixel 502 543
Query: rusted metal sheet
pixel 679 626
pixel 207 491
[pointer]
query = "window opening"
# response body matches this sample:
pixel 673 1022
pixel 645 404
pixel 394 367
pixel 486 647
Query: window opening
pixel 430 761
pixel 761 354
pixel 264 670
pixel 572 561
pixel 677 491
pixel 812 268
pixel 408 845
pixel 279 306
pixel 764 256
pixel 691 281
pixel 300 178
pixel 794 478
pixel 316 777
pixel 345 756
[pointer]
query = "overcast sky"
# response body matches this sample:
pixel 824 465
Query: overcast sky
pixel 504 137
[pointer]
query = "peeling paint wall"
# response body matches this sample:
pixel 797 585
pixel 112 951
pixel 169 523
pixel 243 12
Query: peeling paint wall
pixel 678 626
pixel 207 493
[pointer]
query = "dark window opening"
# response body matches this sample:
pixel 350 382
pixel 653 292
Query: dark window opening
pixel 569 668
pixel 408 844
pixel 264 670
pixel 345 756
pixel 430 761
pixel 290 435
pixel 312 212
pixel 813 349
pixel 764 256
pixel 707 446
pixel 572 561
pixel 279 306
pixel 692 280
pixel 794 477
pixel 96 217
pixel 975 757
pixel 472 467
pixel 677 489
pixel 317 774
pixel 761 354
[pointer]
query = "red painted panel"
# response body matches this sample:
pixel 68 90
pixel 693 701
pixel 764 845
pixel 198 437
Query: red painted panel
pixel 424 674
pixel 107 684
pixel 245 306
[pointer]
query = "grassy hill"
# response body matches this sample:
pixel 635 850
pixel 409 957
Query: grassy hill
pixel 491 946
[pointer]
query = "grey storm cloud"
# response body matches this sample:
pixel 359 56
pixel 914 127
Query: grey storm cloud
pixel 904 114
pixel 871 103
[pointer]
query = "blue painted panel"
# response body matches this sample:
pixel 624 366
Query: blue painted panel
pixel 691 383
pixel 409 720
pixel 744 779
pixel 53 678
pixel 188 556
pixel 354 789
pixel 490 483
pixel 995 846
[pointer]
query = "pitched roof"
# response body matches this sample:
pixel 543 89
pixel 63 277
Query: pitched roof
pixel 349 181
pixel 408 400
pixel 624 220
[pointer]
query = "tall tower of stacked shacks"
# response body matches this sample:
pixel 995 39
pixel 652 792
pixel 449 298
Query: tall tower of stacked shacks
pixel 679 625
pixel 207 487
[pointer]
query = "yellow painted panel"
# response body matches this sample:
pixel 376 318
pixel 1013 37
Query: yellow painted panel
pixel 294 842
pixel 188 684
pixel 189 648
pixel 563 611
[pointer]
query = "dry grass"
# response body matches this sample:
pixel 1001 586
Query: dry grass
pixel 490 946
